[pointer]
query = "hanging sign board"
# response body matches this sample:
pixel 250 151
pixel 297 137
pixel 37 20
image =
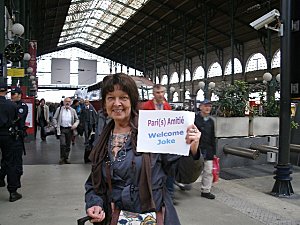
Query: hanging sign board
pixel 15 72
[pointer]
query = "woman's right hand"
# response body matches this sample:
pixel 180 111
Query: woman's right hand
pixel 96 213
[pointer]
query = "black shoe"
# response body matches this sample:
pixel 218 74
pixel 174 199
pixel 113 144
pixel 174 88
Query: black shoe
pixel 174 202
pixel 87 161
pixel 67 161
pixel 62 161
pixel 2 183
pixel 14 196
pixel 208 195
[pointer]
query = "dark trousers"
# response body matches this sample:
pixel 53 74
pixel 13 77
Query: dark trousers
pixel 170 185
pixel 65 142
pixel 11 162
pixel 43 124
pixel 87 133
pixel 35 128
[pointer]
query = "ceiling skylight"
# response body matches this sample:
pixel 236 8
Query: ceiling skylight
pixel 92 22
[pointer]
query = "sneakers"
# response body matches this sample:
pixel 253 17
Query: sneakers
pixel 2 183
pixel 14 196
pixel 208 195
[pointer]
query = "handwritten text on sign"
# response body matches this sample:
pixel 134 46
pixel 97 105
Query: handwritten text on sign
pixel 164 131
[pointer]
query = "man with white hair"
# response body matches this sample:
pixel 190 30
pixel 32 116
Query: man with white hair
pixel 66 121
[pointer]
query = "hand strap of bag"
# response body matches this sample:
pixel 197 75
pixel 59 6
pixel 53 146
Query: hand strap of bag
pixel 115 211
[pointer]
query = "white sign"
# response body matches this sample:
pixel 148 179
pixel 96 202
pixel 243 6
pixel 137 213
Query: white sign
pixel 164 131
pixel 28 121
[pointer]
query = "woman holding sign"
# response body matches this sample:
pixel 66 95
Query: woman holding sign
pixel 125 185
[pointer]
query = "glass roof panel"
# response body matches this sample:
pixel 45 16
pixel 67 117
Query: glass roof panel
pixel 100 18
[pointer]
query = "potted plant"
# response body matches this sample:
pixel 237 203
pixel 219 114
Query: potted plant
pixel 230 120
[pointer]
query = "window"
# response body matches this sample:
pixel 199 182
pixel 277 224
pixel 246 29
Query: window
pixel 187 76
pixel 276 59
pixel 256 62
pixel 174 78
pixel 214 70
pixel 237 67
pixel 164 79
pixel 199 73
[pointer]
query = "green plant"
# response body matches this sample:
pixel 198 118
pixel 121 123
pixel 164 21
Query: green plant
pixel 270 107
pixel 294 125
pixel 232 99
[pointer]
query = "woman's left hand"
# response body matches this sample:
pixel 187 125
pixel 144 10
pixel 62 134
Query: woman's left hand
pixel 193 137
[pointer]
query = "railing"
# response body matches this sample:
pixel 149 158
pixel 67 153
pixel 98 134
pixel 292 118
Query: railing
pixel 265 148
pixel 241 152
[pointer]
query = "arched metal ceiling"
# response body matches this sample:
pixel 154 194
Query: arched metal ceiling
pixel 157 29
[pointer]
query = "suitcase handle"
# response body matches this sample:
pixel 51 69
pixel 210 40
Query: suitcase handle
pixel 82 220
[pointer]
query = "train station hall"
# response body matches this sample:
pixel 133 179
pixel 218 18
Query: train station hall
pixel 78 144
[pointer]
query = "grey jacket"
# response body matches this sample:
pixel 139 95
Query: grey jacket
pixel 57 119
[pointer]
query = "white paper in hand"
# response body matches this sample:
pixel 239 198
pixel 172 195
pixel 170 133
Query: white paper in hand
pixel 164 131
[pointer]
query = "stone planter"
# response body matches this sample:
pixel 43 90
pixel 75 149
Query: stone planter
pixel 262 126
pixel 231 126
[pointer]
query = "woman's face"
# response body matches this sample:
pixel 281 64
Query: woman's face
pixel 118 105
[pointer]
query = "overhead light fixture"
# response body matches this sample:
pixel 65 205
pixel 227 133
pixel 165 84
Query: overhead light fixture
pixel 172 89
pixel 212 85
pixel 17 29
pixel 26 56
pixel 29 70
pixel 278 77
pixel 267 76
pixel 201 84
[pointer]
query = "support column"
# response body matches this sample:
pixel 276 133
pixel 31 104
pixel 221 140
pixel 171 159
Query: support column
pixel 206 94
pixel 153 77
pixel 168 66
pixel 184 58
pixel 16 12
pixel 283 186
pixel 232 40
pixel 2 40
pixel 110 67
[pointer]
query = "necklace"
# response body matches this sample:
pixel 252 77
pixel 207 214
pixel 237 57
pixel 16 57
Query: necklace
pixel 118 142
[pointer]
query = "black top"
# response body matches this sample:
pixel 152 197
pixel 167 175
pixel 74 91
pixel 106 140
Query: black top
pixel 207 140
pixel 8 113
pixel 22 110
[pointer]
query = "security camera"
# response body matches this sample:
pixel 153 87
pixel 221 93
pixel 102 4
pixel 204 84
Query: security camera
pixel 265 19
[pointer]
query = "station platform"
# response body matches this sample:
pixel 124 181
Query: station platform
pixel 54 194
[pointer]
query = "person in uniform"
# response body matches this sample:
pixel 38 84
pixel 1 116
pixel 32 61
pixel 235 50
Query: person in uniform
pixel 8 117
pixel 16 95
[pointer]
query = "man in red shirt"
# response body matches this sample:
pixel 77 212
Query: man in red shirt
pixel 159 103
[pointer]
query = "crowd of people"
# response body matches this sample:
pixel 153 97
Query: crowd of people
pixel 141 183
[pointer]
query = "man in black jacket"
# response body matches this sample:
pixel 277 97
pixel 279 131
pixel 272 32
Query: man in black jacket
pixel 207 145
pixel 10 165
